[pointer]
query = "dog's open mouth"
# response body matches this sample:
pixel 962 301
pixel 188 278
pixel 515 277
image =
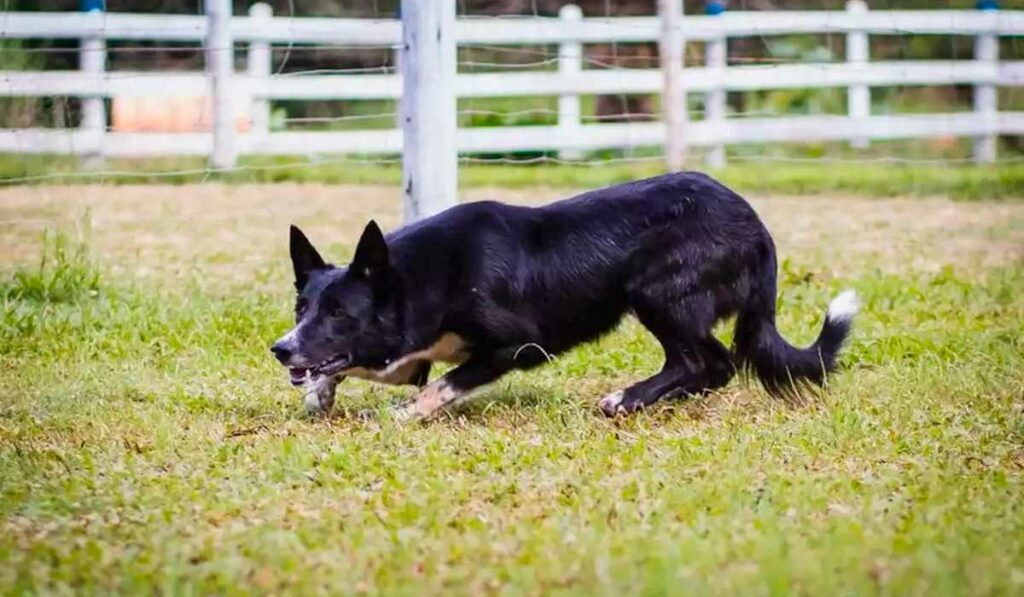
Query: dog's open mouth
pixel 332 366
pixel 299 375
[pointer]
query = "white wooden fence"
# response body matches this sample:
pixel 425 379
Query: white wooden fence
pixel 257 86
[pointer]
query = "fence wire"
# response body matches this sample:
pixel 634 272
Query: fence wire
pixel 294 60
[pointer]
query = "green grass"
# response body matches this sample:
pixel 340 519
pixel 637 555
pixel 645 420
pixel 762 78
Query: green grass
pixel 148 444
pixel 865 179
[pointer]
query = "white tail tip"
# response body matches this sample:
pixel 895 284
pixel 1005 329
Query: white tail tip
pixel 843 307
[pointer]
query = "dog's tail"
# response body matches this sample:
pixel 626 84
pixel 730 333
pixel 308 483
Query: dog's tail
pixel 780 366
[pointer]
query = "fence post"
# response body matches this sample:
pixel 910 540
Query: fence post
pixel 717 51
pixel 986 104
pixel 430 157
pixel 673 98
pixel 258 63
pixel 92 59
pixel 570 63
pixel 220 58
pixel 858 53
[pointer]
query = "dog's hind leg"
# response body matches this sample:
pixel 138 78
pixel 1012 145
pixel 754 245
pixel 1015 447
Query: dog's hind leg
pixel 681 315
pixel 690 368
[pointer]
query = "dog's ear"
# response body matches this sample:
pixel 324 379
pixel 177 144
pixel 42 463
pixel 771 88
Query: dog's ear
pixel 304 257
pixel 371 253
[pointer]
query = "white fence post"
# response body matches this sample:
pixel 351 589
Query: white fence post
pixel 717 51
pixel 986 104
pixel 570 63
pixel 92 59
pixel 258 63
pixel 220 59
pixel 673 97
pixel 430 156
pixel 858 54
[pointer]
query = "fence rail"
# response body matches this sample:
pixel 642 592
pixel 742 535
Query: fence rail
pixel 514 29
pixel 256 86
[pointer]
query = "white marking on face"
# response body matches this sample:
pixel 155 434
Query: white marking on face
pixel 291 335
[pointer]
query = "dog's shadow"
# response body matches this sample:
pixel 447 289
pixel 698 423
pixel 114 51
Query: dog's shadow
pixel 521 397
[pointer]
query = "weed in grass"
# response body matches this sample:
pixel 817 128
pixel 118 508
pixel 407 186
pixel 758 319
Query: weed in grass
pixel 64 274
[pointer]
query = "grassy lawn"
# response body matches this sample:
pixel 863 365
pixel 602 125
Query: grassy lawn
pixel 149 444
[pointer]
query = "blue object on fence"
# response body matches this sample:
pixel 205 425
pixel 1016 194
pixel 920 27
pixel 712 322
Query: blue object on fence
pixel 987 5
pixel 714 7
pixel 91 5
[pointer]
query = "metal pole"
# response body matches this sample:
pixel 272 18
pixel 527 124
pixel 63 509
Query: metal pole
pixel 986 103
pixel 717 58
pixel 92 59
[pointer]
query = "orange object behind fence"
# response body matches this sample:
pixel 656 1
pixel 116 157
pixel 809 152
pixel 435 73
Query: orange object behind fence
pixel 170 114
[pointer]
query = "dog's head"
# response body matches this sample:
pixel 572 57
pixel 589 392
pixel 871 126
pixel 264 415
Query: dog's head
pixel 345 317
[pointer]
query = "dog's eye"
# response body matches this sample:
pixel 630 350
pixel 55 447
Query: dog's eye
pixel 338 313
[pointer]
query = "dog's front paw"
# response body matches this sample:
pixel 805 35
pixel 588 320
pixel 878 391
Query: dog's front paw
pixel 405 413
pixel 320 395
pixel 611 405
pixel 313 406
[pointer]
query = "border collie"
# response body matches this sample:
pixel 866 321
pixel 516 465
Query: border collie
pixel 494 287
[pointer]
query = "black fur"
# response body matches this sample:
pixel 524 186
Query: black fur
pixel 681 251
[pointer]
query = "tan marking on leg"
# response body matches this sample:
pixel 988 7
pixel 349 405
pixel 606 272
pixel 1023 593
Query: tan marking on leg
pixel 429 401
pixel 449 348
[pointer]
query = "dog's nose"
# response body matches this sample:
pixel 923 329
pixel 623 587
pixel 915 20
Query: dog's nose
pixel 282 350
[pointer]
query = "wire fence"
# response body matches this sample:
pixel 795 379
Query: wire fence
pixel 337 102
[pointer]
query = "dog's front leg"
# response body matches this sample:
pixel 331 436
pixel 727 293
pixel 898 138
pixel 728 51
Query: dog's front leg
pixel 320 394
pixel 458 383
pixel 430 400
pixel 454 387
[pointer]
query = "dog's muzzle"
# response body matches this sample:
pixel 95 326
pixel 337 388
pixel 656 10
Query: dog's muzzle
pixel 284 350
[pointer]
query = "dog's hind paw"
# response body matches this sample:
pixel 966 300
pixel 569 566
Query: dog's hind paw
pixel 611 405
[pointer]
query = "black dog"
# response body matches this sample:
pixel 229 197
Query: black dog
pixel 495 287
